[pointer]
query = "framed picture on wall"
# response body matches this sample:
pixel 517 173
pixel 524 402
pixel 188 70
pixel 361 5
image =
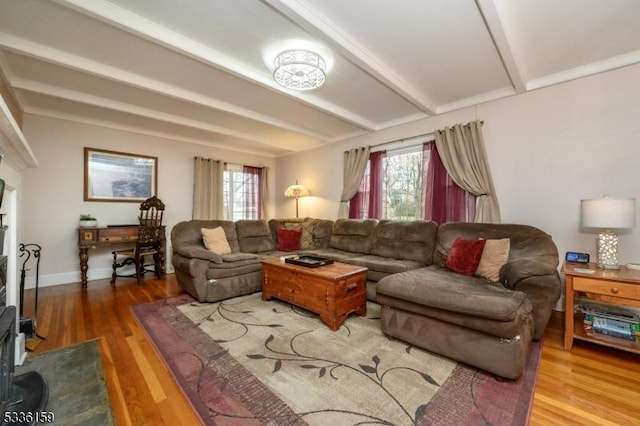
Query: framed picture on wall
pixel 119 176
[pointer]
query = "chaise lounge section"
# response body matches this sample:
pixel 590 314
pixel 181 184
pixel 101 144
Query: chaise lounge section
pixel 468 318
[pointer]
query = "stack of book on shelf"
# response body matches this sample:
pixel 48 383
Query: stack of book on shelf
pixel 610 320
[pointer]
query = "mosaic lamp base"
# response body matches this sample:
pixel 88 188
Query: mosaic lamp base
pixel 608 250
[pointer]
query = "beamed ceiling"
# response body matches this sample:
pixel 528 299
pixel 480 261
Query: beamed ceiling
pixel 200 71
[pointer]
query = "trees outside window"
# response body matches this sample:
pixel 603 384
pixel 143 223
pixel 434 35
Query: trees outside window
pixel 242 192
pixel 408 184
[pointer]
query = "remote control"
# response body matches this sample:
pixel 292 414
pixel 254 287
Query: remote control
pixel 584 270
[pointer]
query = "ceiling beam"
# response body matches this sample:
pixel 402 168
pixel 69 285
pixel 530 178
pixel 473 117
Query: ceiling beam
pixel 46 112
pixel 101 102
pixel 492 20
pixel 308 18
pixel 138 26
pixel 107 72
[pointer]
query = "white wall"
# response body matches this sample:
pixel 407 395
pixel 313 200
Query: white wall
pixel 547 150
pixel 53 193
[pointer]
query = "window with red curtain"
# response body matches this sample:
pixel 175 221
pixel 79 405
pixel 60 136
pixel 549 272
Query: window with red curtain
pixel 242 192
pixel 411 183
pixel 368 201
pixel 443 200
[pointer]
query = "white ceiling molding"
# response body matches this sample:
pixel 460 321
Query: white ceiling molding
pixel 308 18
pixel 586 70
pixel 480 99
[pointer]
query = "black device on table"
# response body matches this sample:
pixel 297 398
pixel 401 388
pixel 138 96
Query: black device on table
pixel 573 256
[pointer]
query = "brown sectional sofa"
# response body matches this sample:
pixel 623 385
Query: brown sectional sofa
pixel 482 323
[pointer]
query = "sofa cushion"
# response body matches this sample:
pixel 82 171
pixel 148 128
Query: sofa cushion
pixel 504 329
pixel 321 232
pixel 215 240
pixel 525 241
pixel 237 257
pixel 231 269
pixel 353 235
pixel 465 255
pixel 288 238
pixel 254 236
pixel 494 255
pixel 411 240
pixel 193 251
pixel 333 254
pixel 384 264
pixel 437 287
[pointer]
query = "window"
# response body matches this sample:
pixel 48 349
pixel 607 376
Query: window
pixel 402 184
pixel 242 192
pixel 408 184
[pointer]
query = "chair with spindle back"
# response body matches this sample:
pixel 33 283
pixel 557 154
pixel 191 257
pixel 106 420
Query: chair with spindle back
pixel 148 244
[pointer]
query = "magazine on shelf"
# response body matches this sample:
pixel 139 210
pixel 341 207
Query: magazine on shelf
pixel 611 327
pixel 603 310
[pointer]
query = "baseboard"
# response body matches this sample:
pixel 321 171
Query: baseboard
pixel 559 304
pixel 70 277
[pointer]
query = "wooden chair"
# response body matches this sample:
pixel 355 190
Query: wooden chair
pixel 149 243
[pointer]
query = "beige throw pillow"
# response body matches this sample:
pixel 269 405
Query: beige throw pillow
pixel 215 240
pixel 494 255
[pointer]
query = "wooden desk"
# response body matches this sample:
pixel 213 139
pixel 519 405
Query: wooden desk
pixel 612 286
pixel 106 236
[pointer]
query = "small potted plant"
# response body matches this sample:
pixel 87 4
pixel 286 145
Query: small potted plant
pixel 87 221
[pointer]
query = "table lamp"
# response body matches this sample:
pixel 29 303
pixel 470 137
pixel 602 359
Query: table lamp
pixel 296 191
pixel 608 214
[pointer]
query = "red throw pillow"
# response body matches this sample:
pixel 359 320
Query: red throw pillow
pixel 465 255
pixel 289 238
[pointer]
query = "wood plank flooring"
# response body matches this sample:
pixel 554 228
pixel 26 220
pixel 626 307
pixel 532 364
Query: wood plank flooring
pixel 590 385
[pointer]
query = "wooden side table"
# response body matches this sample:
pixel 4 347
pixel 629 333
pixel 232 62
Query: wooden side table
pixel 619 287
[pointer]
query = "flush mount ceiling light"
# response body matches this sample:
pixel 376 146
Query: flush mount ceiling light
pixel 299 70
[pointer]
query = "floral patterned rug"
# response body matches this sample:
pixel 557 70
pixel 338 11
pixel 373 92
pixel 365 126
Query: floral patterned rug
pixel 248 361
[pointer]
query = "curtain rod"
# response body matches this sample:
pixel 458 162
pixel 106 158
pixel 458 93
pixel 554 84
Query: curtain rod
pixel 432 135
pixel 426 135
pixel 198 157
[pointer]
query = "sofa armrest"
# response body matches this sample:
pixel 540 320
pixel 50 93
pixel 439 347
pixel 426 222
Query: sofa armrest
pixel 517 270
pixel 193 251
pixel 538 278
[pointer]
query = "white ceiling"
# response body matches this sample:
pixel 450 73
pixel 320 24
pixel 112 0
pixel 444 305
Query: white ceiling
pixel 200 71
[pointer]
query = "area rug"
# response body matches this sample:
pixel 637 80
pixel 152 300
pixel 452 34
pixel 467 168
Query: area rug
pixel 74 375
pixel 248 361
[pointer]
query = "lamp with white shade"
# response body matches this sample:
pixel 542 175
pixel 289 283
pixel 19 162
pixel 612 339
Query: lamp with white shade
pixel 608 214
pixel 296 191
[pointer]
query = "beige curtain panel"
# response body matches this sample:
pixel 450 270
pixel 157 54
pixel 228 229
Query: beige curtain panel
pixel 355 163
pixel 208 199
pixel 462 151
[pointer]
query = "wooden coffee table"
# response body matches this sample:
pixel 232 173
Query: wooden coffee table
pixel 332 291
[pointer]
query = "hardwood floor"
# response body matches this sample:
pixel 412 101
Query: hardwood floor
pixel 589 385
